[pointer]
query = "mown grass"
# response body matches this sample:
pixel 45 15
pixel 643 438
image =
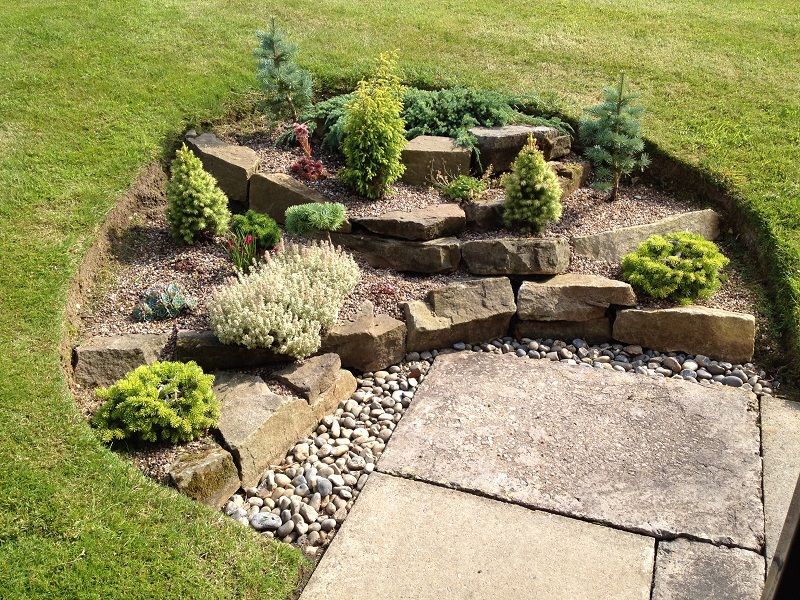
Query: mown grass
pixel 92 91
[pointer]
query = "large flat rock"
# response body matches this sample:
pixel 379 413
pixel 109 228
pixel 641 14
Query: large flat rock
pixel 431 222
pixel 429 157
pixel 472 311
pixel 257 425
pixel 231 165
pixel 687 570
pixel 780 429
pixel 369 343
pixel 720 334
pixel 441 255
pixel 665 457
pixel 102 360
pixel 273 193
pixel 572 297
pixel 611 246
pixel 516 256
pixel 406 539
pixel 204 348
pixel 499 146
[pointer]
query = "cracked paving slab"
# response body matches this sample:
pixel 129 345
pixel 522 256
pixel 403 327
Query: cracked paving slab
pixel 407 539
pixel 661 457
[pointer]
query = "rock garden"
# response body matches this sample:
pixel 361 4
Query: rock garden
pixel 272 307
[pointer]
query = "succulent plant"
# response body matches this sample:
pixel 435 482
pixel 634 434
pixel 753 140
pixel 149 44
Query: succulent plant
pixel 163 302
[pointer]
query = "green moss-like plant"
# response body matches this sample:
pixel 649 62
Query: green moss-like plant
pixel 533 194
pixel 263 228
pixel 164 401
pixel 681 266
pixel 195 204
pixel 374 132
pixel 464 188
pixel 304 219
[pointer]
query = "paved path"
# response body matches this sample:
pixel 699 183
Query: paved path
pixel 516 478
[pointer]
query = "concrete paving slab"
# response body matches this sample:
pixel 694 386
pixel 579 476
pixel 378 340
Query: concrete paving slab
pixel 406 539
pixel 688 570
pixel 663 457
pixel 780 426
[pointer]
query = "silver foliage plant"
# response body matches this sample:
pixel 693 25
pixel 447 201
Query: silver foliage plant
pixel 286 301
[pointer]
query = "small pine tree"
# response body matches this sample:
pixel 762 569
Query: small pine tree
pixel 611 134
pixel 533 194
pixel 286 85
pixel 374 132
pixel 195 204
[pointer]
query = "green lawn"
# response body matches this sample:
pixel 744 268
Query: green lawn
pixel 89 92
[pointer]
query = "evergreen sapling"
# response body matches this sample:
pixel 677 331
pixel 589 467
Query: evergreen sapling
pixel 286 85
pixel 533 194
pixel 611 136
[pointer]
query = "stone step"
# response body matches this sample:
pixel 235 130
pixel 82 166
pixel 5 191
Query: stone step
pixel 424 224
pixel 409 539
pixel 206 350
pixel 102 360
pixel 427 156
pixel 441 255
pixel 612 245
pixel 208 475
pixel 231 165
pixel 473 311
pixel 516 256
pixel 273 193
pixel 257 426
pixel 485 213
pixel 572 297
pixel 663 457
pixel 370 343
pixel 594 331
pixel 688 569
pixel 720 334
pixel 499 146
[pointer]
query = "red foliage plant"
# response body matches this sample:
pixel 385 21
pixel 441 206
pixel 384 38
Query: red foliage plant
pixel 306 168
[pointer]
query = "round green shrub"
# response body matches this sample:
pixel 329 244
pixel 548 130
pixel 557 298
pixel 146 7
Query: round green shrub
pixel 263 228
pixel 681 266
pixel 464 187
pixel 195 204
pixel 303 219
pixel 164 401
pixel 533 194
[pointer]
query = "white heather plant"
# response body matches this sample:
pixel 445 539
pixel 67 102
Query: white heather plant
pixel 286 301
pixel 195 204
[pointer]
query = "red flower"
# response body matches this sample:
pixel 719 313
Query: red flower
pixel 248 239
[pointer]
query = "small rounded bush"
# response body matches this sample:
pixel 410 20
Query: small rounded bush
pixel 464 187
pixel 678 266
pixel 263 228
pixel 164 401
pixel 533 194
pixel 195 204
pixel 303 219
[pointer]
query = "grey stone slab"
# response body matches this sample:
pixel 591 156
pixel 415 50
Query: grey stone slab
pixel 256 425
pixel 687 570
pixel 780 428
pixel 102 360
pixel 612 245
pixel 407 539
pixel 664 457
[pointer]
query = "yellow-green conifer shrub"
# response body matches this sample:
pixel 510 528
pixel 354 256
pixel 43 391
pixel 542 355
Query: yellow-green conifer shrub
pixel 533 194
pixel 681 266
pixel 195 204
pixel 165 401
pixel 374 132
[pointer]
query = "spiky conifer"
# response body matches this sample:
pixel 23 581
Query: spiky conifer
pixel 286 86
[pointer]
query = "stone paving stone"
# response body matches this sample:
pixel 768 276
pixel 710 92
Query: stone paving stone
pixel 780 426
pixel 407 539
pixel 664 457
pixel 687 570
